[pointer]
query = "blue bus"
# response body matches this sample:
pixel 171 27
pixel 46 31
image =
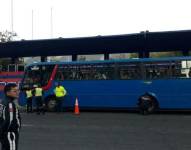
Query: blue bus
pixel 114 84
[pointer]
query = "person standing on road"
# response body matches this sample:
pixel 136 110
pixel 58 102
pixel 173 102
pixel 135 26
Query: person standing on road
pixel 38 93
pixel 29 98
pixel 10 118
pixel 60 92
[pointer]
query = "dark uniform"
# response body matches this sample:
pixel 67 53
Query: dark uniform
pixel 10 125
pixel 38 93
pixel 29 97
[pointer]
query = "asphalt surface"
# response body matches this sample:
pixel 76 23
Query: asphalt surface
pixel 105 131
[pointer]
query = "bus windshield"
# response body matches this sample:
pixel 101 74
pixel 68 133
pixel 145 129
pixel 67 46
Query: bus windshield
pixel 37 75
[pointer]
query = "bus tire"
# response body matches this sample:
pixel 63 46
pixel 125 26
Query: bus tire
pixel 152 107
pixel 51 104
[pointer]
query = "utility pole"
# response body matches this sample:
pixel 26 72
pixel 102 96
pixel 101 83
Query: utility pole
pixel 32 24
pixel 51 24
pixel 12 16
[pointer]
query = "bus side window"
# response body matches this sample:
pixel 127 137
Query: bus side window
pixel 184 67
pixel 148 73
pixel 152 74
pixel 189 73
pixel 11 67
pixel 66 74
pixel 124 74
pixel 20 67
pixel 59 76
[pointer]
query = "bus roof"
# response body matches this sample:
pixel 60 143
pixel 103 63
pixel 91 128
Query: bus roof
pixel 113 61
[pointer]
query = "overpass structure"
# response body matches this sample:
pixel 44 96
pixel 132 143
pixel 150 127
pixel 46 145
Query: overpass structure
pixel 142 43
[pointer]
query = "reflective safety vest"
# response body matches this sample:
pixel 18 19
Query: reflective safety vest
pixel 60 91
pixel 38 91
pixel 29 93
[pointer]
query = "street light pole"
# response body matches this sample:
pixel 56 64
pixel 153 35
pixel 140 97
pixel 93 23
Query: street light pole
pixel 32 24
pixel 51 24
pixel 12 16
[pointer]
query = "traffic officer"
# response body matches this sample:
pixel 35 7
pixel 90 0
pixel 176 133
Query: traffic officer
pixel 11 122
pixel 59 92
pixel 38 92
pixel 29 98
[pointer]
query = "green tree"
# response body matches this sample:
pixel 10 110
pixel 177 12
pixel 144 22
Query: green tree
pixel 6 36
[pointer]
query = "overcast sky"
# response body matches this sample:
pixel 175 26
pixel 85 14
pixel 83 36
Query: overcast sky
pixel 81 18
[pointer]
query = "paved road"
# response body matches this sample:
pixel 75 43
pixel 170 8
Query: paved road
pixel 105 131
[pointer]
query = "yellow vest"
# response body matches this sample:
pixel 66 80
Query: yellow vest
pixel 60 91
pixel 29 93
pixel 38 91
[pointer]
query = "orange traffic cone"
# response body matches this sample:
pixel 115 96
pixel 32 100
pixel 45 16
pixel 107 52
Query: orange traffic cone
pixel 76 109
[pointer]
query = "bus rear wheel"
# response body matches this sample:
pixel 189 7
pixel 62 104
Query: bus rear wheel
pixel 51 104
pixel 152 107
pixel 147 104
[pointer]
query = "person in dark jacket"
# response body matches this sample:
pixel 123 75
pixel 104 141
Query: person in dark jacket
pixel 11 123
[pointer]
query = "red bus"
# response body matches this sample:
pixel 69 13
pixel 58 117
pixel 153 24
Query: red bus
pixel 11 73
